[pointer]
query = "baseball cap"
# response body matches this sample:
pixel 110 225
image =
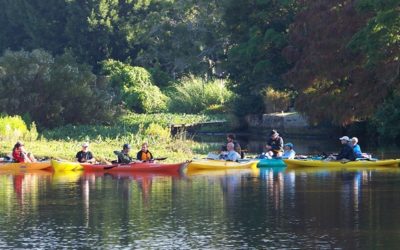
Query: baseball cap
pixel 289 144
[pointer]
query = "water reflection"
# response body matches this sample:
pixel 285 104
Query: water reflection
pixel 257 209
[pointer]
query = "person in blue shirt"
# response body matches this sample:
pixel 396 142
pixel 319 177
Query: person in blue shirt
pixel 288 152
pixel 356 147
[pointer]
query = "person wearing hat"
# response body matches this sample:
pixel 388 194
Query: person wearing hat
pixel 288 152
pixel 274 145
pixel 85 156
pixel 123 156
pixel 347 152
pixel 19 153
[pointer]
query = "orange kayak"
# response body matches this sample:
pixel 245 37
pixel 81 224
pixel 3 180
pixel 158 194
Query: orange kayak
pixel 137 167
pixel 25 166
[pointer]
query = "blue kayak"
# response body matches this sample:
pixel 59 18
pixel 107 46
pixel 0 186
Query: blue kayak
pixel 270 163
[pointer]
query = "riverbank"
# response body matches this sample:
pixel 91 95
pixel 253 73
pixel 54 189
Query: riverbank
pixel 64 142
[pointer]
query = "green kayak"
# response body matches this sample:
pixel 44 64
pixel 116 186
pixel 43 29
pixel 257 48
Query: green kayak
pixel 269 163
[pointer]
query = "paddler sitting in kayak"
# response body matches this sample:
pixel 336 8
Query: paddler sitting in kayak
pixel 231 155
pixel 85 156
pixel 123 156
pixel 144 154
pixel 357 149
pixel 346 153
pixel 20 155
pixel 288 152
pixel 274 147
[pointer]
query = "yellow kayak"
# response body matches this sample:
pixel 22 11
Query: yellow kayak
pixel 342 164
pixel 59 166
pixel 220 164
pixel 312 170
pixel 24 165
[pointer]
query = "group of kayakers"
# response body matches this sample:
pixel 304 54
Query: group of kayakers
pixel 275 148
pixel 19 154
pixel 350 150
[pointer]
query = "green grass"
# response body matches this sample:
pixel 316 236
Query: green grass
pixel 66 141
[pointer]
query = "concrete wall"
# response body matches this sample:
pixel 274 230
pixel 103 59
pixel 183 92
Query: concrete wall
pixel 289 123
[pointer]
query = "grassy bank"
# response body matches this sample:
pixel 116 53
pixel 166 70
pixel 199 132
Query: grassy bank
pixel 65 142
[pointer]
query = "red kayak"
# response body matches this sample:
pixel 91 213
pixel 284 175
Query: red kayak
pixel 137 167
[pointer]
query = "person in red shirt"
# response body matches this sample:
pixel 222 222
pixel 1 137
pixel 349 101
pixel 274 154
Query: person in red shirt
pixel 20 155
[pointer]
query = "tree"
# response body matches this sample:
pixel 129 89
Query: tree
pixel 52 90
pixel 182 37
pixel 257 34
pixel 135 87
pixel 32 24
pixel 331 72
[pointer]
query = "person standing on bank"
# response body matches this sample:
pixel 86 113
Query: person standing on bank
pixel 85 156
pixel 274 145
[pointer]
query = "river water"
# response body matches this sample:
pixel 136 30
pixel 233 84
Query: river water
pixel 239 209
pixel 242 209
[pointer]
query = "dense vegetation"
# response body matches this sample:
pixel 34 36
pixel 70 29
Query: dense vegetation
pixel 325 57
pixel 63 142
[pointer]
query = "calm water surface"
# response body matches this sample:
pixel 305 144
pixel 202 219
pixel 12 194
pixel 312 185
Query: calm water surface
pixel 242 209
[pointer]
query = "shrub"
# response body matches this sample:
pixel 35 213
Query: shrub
pixel 276 100
pixel 135 87
pixel 51 91
pixel 13 128
pixel 387 118
pixel 157 133
pixel 194 95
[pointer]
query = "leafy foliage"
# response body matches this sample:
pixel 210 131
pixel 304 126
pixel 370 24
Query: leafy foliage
pixel 332 73
pixel 136 87
pixel 387 119
pixel 14 128
pixel 194 95
pixel 53 91
pixel 276 101
pixel 258 33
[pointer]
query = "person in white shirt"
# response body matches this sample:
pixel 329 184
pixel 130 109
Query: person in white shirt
pixel 288 152
pixel 232 154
